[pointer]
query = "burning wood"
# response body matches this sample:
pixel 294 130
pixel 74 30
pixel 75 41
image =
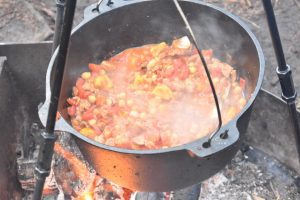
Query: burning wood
pixel 76 165
pixel 77 179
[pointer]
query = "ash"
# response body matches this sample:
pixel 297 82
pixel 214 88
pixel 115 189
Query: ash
pixel 252 175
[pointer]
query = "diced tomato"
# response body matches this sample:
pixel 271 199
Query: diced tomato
pixel 179 62
pixel 216 71
pixel 207 53
pixel 100 100
pixel 79 83
pixel 194 51
pixel 94 67
pixel 242 83
pixel 58 116
pixel 169 72
pixel 83 94
pixel 87 116
pixel 97 130
pixel 71 110
pixel 115 109
pixel 71 101
pixel 184 72
pixel 132 62
pixel 107 65
pixel 181 69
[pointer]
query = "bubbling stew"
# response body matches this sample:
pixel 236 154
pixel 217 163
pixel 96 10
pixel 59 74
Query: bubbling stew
pixel 154 96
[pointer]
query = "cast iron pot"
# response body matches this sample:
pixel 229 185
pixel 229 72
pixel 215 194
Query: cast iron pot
pixel 128 24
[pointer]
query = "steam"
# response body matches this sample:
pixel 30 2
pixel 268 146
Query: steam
pixel 189 117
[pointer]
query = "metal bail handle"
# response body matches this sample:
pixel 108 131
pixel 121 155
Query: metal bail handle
pixel 224 138
pixel 109 3
pixel 213 90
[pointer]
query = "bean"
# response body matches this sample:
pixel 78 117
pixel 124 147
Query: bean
pixel 92 122
pixel 92 99
pixel 134 113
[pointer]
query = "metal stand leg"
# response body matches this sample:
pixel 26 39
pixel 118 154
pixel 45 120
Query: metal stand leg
pixel 284 71
pixel 60 4
pixel 48 137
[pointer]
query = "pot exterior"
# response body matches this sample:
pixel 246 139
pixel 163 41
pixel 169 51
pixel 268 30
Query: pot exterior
pixel 174 168
pixel 163 172
pixel 155 172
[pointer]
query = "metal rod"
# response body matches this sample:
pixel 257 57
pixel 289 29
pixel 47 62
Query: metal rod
pixel 284 72
pixel 60 4
pixel 192 36
pixel 60 62
pixel 274 34
pixel 48 137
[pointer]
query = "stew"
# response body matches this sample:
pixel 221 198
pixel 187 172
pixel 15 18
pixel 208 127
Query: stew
pixel 154 96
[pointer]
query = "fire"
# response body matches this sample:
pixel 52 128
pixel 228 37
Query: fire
pixel 91 181
pixel 86 196
pixel 77 166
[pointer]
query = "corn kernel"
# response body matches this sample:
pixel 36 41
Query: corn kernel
pixel 192 68
pixel 86 75
pixel 155 50
pixel 163 92
pixel 88 132
pixel 152 63
pixel 139 79
pixel 237 90
pixel 103 82
pixel 242 102
pixel 215 81
pixel 154 77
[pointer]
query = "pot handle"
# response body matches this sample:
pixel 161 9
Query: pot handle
pixel 103 6
pixel 226 137
pixel 60 125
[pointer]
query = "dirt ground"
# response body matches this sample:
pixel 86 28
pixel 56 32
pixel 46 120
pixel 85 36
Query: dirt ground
pixel 33 20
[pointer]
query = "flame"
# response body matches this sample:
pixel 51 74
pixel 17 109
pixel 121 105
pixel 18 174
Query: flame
pixel 86 196
pixel 91 180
